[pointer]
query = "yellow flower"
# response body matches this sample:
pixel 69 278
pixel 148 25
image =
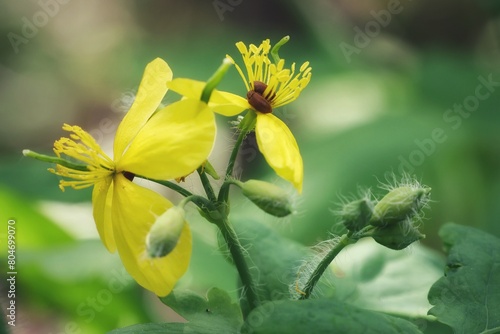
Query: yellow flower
pixel 269 85
pixel 162 145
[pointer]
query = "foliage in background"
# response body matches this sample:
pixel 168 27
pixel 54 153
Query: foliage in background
pixel 355 122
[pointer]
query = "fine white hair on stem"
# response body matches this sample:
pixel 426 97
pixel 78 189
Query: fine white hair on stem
pixel 307 266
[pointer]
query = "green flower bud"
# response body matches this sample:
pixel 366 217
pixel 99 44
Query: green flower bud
pixel 356 215
pixel 397 236
pixel 399 204
pixel 165 232
pixel 270 198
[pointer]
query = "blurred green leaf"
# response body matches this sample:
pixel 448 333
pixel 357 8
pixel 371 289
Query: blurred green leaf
pixel 322 316
pixel 33 230
pixel 214 315
pixel 31 179
pixel 176 328
pixel 208 266
pixel 3 324
pixel 374 277
pixel 93 289
pixel 217 308
pixel 468 296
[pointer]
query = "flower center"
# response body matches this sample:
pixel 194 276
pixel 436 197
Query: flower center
pixel 80 146
pixel 258 100
pixel 129 176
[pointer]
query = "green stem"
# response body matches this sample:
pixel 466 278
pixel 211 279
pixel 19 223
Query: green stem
pixel 205 205
pixel 230 236
pixel 207 186
pixel 345 240
pixel 224 190
pixel 236 251
pixel 325 262
pixel 246 125
pixel 276 47
pixel 56 160
pixel 170 185
pixel 214 80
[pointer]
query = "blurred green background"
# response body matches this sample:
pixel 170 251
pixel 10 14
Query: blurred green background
pixel 397 86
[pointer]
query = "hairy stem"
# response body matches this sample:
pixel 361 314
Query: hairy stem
pixel 232 241
pixel 347 239
pixel 224 190
pixel 246 125
pixel 325 262
pixel 236 251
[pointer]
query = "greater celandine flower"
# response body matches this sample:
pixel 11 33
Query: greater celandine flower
pixel 164 144
pixel 269 85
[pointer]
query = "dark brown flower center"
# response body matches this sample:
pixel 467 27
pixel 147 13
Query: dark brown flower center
pixel 257 100
pixel 129 176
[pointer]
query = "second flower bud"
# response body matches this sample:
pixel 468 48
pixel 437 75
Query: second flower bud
pixel 399 204
pixel 267 196
pixel 165 232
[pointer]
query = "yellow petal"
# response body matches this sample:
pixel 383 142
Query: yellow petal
pixel 227 104
pixel 134 211
pixel 186 87
pixel 151 91
pixel 101 203
pixel 173 143
pixel 223 103
pixel 280 149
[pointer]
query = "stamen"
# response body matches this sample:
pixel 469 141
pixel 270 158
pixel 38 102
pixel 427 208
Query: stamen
pixel 82 147
pixel 282 85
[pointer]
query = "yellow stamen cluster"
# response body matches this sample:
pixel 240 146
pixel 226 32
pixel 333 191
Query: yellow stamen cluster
pixel 82 147
pixel 283 85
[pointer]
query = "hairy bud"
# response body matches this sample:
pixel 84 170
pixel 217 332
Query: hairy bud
pixel 399 204
pixel 356 215
pixel 165 232
pixel 397 236
pixel 270 198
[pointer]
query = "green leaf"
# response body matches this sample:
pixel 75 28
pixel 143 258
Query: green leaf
pixel 208 267
pixel 365 274
pixel 374 277
pixel 467 297
pixel 33 229
pixel 216 311
pixel 30 178
pixel 94 295
pixel 175 328
pixel 321 316
pixel 276 257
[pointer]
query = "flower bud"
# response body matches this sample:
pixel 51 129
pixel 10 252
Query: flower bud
pixel 397 236
pixel 356 215
pixel 270 198
pixel 399 204
pixel 165 232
